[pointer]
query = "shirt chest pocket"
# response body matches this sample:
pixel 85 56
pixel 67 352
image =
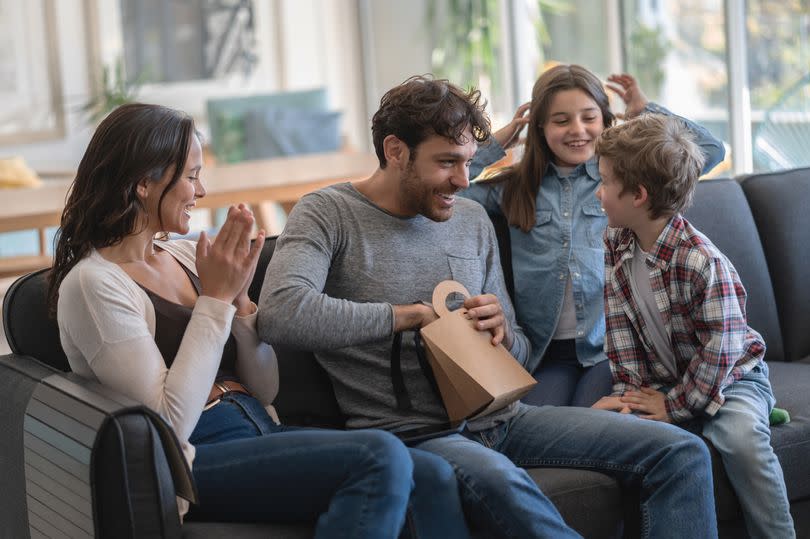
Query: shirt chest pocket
pixel 468 271
pixel 595 222
pixel 542 217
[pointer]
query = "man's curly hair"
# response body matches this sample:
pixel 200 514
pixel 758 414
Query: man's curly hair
pixel 423 106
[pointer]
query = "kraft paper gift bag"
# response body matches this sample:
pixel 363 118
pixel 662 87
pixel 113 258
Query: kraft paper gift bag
pixel 474 377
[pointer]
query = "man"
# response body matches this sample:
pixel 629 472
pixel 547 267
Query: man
pixel 347 274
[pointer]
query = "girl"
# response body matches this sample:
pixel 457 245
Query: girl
pixel 556 225
pixel 169 324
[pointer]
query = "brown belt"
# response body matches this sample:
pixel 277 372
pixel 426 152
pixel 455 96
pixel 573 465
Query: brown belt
pixel 220 389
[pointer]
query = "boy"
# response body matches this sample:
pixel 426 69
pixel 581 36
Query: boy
pixel 677 337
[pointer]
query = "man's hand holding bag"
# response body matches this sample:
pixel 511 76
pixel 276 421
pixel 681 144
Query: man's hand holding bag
pixel 474 377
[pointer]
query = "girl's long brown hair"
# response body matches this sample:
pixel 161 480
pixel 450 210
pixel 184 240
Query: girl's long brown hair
pixel 136 141
pixel 522 180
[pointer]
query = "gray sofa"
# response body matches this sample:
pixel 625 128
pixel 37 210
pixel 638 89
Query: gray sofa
pixel 78 458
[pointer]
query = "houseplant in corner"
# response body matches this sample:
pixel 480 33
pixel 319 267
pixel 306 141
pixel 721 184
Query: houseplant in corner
pixel 113 90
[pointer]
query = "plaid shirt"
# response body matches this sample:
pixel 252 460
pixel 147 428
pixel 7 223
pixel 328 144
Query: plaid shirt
pixel 702 303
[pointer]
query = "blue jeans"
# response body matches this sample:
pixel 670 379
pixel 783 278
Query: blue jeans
pixel 670 467
pixel 741 433
pixel 355 484
pixel 563 381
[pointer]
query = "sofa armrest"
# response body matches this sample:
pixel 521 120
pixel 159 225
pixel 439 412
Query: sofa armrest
pixel 83 460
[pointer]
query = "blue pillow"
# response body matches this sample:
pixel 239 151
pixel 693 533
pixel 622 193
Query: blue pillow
pixel 282 131
pixel 226 117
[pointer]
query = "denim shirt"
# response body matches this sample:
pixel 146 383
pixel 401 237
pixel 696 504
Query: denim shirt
pixel 566 240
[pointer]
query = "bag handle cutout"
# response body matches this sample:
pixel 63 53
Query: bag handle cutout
pixel 444 289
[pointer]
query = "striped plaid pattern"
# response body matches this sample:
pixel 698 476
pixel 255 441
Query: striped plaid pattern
pixel 702 301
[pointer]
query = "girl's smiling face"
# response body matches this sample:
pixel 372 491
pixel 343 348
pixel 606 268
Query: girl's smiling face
pixel 573 125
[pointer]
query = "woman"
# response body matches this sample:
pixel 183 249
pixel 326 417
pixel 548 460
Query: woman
pixel 169 323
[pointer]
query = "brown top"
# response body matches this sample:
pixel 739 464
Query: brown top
pixel 171 320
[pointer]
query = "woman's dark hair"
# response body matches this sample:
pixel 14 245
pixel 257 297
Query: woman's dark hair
pixel 522 180
pixel 422 106
pixel 136 141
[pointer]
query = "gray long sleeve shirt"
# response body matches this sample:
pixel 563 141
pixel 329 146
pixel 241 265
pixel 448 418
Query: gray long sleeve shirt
pixel 339 267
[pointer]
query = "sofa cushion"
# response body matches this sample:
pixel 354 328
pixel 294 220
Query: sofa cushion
pixel 780 204
pixel 29 329
pixel 721 212
pixel 255 288
pixel 227 530
pixel 226 117
pixel 791 441
pixel 305 397
pixel 590 502
pixel 278 131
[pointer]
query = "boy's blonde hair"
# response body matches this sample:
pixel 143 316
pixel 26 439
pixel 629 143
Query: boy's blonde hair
pixel 659 153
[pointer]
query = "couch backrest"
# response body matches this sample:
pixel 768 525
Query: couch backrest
pixel 720 210
pixel 780 204
pixel 305 395
pixel 501 226
pixel 29 329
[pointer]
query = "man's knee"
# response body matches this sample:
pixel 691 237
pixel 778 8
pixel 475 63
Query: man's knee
pixel 495 474
pixel 690 448
pixel 430 467
pixel 382 450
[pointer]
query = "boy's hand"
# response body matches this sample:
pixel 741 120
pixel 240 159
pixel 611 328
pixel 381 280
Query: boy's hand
pixel 626 87
pixel 507 136
pixel 613 403
pixel 650 402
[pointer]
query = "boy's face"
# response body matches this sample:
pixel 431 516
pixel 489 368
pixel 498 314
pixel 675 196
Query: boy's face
pixel 429 184
pixel 619 207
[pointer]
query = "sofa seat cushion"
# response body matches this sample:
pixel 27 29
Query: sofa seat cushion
pixel 792 440
pixel 226 530
pixel 590 502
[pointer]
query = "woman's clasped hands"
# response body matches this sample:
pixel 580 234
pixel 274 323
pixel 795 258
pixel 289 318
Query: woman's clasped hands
pixel 227 264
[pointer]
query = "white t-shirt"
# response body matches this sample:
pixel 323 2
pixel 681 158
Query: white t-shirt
pixel 643 294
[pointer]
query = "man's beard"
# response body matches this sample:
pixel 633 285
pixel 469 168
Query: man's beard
pixel 418 199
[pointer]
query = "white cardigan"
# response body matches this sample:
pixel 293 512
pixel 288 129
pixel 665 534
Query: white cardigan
pixel 107 329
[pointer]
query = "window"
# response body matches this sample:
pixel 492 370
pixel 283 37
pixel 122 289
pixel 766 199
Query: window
pixel 778 52
pixel 677 51
pixel 461 41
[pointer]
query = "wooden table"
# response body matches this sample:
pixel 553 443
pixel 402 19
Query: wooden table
pixel 283 180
